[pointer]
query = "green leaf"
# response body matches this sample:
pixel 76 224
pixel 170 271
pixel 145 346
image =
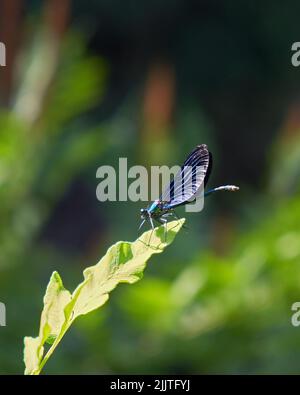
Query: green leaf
pixel 52 320
pixel 124 262
pixel 33 353
pixel 53 315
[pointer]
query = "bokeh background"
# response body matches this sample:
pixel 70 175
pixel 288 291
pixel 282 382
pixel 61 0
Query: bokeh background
pixel 87 82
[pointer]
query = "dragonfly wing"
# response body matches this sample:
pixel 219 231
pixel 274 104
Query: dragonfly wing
pixel 192 174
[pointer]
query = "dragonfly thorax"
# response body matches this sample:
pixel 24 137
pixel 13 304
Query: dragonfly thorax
pixel 156 209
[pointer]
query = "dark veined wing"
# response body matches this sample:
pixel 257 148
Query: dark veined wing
pixel 195 170
pixel 208 171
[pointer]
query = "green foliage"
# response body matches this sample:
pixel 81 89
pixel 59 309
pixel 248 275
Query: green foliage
pixel 124 262
pixel 223 313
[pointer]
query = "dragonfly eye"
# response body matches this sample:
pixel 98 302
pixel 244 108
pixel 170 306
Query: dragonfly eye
pixel 143 213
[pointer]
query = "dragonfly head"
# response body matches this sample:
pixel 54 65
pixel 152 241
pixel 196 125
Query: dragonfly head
pixel 144 213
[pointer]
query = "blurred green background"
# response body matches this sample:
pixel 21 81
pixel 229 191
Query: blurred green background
pixel 87 82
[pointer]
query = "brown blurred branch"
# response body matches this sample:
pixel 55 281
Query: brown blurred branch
pixel 57 13
pixel 11 29
pixel 39 73
pixel 159 100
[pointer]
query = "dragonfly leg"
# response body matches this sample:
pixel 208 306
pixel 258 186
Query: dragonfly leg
pixel 177 218
pixel 163 221
pixel 168 214
pixel 141 225
pixel 152 226
pixel 175 215
pixel 171 214
pixel 147 244
pixel 151 222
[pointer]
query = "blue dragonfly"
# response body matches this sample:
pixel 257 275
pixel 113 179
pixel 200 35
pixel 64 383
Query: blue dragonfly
pixel 184 188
